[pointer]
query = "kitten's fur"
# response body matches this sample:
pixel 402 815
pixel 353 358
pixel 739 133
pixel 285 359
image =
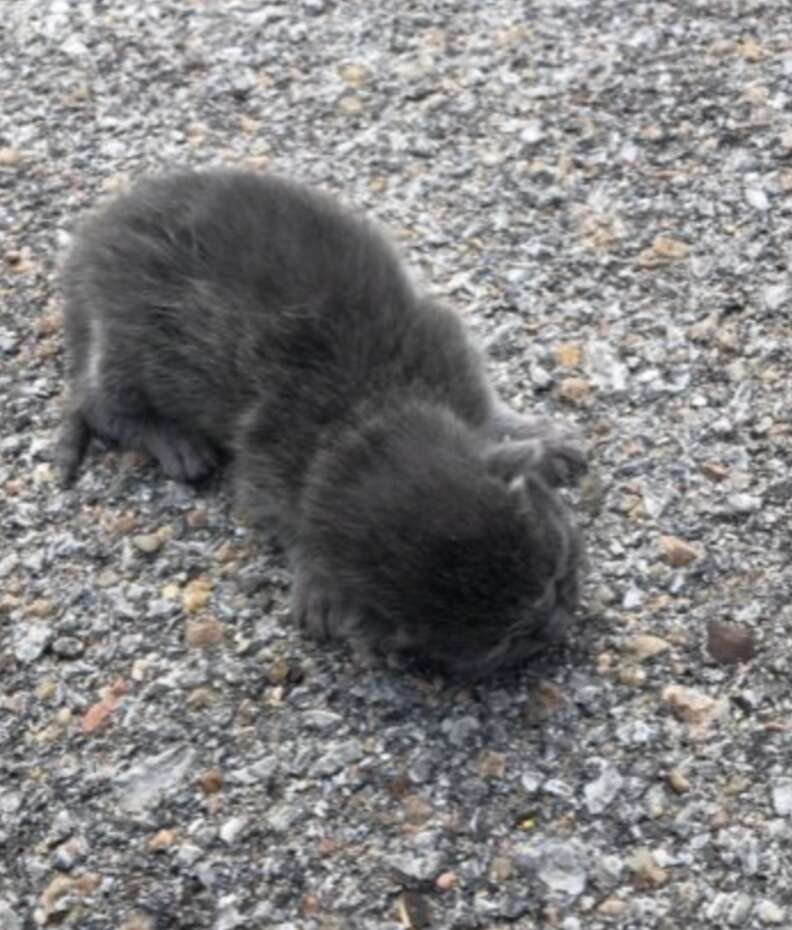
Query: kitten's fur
pixel 226 311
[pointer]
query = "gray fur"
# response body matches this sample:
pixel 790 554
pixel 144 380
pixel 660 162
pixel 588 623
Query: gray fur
pixel 222 312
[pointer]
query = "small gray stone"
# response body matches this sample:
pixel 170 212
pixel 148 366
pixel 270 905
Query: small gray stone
pixel 31 641
pixel 532 133
pixel 607 871
pixel 775 296
pixel 558 788
pixel 744 503
pixel 600 792
pixel 739 910
pixel 232 829
pixel 140 786
pixel 322 720
pixel 341 755
pixel 68 647
pixel 757 198
pixel 633 598
pixel 605 369
pixel 560 865
pixel 8 341
pixel 421 866
pixel 421 768
pixel 8 563
pixel 260 771
pixel 460 729
pixel 504 342
pixel 531 781
pixel 781 793
pixel 9 918
pixel 70 853
pixel 540 376
pixel 283 816
pixel 149 543
pixel 767 911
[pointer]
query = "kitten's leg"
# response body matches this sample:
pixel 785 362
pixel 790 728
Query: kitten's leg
pixel 185 458
pixel 108 399
pixel 321 610
pixel 555 449
pixel 73 439
pixel 181 456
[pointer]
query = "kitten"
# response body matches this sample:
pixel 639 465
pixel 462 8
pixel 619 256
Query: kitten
pixel 222 312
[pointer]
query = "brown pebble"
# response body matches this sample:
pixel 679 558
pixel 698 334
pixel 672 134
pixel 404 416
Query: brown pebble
pixel 677 552
pixel 414 911
pixel 196 593
pixel 715 471
pixel 568 355
pixel 59 886
pixel 278 671
pixel 694 708
pixel 632 677
pixel 501 869
pixel 678 782
pixel 162 840
pixel 446 881
pixel 197 519
pixel 46 689
pixel 646 646
pixel 646 872
pixel 574 390
pixel 492 764
pixel 417 810
pixel 149 543
pixel 327 846
pixel 123 524
pixel 203 634
pixel 97 715
pixel 750 50
pixel 612 907
pixel 201 698
pixel 225 553
pixel 41 607
pixel 399 786
pixel 351 104
pixel 545 700
pixel 137 921
pixel 663 250
pixel 9 602
pixel 353 74
pixel 9 157
pixel 211 781
pixel 729 643
pixel 48 323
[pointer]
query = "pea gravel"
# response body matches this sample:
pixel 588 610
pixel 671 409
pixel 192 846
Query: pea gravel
pixel 604 188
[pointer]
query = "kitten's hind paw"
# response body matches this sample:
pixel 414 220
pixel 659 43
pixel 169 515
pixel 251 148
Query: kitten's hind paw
pixel 70 447
pixel 183 458
pixel 318 610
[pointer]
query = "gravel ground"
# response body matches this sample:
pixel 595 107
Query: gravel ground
pixel 604 188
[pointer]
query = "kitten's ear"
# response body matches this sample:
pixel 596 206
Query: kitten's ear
pixel 558 461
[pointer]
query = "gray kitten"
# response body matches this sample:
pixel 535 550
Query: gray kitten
pixel 226 312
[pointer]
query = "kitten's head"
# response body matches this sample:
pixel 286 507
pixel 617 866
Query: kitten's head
pixel 434 550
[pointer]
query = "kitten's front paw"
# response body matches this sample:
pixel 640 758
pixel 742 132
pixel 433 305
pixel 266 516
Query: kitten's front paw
pixel 318 609
pixel 560 461
pixel 556 449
